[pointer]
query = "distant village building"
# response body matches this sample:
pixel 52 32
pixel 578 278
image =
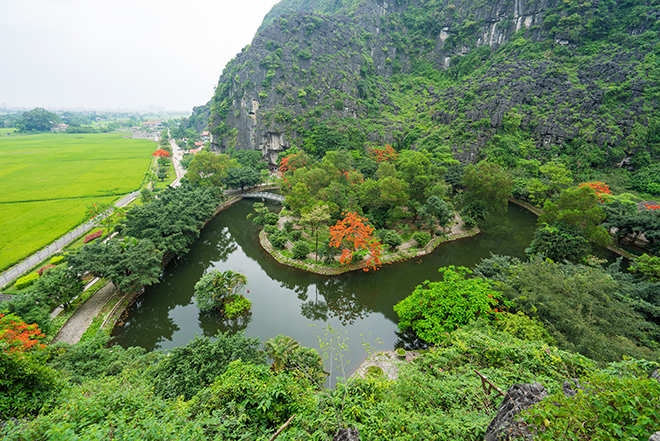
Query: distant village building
pixel 151 125
pixel 206 136
pixel 59 128
pixel 193 151
pixel 199 144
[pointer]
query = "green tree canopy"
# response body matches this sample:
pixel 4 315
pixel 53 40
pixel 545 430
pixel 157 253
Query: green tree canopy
pixel 241 177
pixel 208 169
pixel 559 242
pixel 129 263
pixel 487 186
pixel 60 284
pixel 578 207
pixel 173 220
pixel 435 309
pixel 37 120
pixel 189 368
pixel 598 313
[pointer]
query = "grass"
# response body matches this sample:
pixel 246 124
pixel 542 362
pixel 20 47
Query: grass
pixel 50 180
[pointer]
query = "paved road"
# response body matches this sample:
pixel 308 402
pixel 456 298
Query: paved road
pixel 78 323
pixel 176 160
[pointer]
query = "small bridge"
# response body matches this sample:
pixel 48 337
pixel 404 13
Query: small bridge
pixel 265 195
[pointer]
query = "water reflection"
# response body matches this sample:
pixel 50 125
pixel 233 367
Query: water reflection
pixel 212 321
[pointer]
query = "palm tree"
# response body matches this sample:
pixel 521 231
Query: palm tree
pixel 280 349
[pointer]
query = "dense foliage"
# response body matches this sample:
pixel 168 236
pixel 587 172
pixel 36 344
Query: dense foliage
pixel 173 220
pixel 129 264
pixel 188 369
pixel 215 288
pixel 603 314
pixel 434 309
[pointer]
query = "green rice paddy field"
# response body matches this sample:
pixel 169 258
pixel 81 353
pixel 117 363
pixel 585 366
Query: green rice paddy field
pixel 48 181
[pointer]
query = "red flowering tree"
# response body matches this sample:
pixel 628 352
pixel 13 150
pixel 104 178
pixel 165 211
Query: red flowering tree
pixel 600 188
pixel 652 207
pixel 293 162
pixel 160 153
pixel 353 234
pixel 386 153
pixel 17 335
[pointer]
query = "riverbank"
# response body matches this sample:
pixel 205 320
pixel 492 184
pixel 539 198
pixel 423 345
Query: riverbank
pixel 406 251
pixel 537 211
pixel 104 309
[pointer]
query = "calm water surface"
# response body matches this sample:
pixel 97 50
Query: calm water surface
pixel 358 305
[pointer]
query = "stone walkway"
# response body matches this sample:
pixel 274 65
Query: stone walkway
pixel 78 323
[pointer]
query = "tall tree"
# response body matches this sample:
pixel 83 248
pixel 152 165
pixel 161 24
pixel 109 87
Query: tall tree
pixel 241 177
pixel 487 186
pixel 129 263
pixel 37 120
pixel 60 284
pixel 208 169
pixel 437 210
pixel 353 234
pixel 319 214
pixel 578 207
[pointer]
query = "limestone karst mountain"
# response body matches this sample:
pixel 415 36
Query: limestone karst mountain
pixel 462 78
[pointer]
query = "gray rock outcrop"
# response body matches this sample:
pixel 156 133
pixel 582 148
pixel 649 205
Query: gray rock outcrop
pixel 350 434
pixel 506 425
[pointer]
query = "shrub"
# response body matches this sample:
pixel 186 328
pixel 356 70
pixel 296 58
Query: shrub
pixel 249 400
pixel 300 250
pixel 469 222
pixel 271 218
pixel 606 407
pixel 278 240
pixel 93 359
pixel 25 281
pixel 56 259
pixel 91 237
pixel 523 327
pixel 44 268
pixel 391 238
pixel 236 306
pixel 295 235
pixel 375 371
pixel 288 226
pixel 421 238
pixel 271 229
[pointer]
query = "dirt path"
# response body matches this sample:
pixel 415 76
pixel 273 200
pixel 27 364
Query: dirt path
pixel 78 323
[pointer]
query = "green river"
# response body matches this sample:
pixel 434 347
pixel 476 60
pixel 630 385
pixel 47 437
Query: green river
pixel 357 305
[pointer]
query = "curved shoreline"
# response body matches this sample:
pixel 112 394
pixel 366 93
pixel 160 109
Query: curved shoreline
pixel 537 211
pixel 457 233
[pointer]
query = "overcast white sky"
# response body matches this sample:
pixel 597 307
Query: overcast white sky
pixel 126 54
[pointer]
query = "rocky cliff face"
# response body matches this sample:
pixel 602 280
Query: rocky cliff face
pixel 441 73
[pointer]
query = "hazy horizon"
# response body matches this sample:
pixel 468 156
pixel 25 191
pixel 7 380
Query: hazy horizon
pixel 132 56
